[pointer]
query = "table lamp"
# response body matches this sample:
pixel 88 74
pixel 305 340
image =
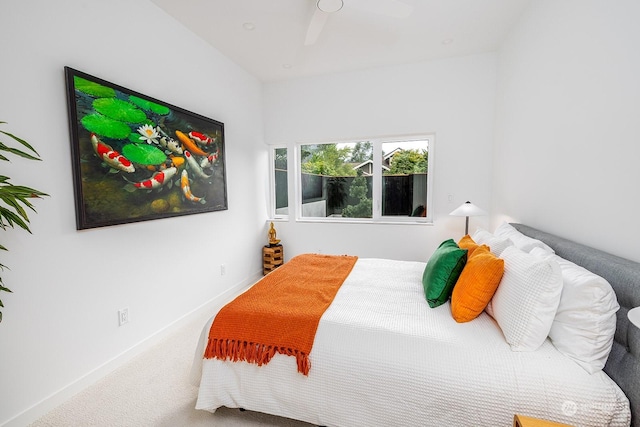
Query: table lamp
pixel 468 209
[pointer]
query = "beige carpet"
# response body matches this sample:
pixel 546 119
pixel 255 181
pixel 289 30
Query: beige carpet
pixel 153 389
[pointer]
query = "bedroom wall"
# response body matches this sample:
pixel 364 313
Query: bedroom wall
pixel 567 140
pixel 453 98
pixel 60 328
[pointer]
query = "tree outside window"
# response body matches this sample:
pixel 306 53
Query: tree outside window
pixel 341 180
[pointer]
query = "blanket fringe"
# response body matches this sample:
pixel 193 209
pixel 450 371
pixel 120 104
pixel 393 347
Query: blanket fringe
pixel 251 352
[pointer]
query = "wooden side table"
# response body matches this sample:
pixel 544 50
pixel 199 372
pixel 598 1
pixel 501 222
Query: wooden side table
pixel 272 258
pixel 521 421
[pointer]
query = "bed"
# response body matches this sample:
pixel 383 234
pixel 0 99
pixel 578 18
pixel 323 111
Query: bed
pixel 381 356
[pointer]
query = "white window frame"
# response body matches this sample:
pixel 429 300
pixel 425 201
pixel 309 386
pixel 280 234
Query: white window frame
pixel 294 168
pixel 272 181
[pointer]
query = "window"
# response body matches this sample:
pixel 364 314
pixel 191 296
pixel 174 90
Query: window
pixel 404 178
pixel 366 180
pixel 280 183
pixel 337 181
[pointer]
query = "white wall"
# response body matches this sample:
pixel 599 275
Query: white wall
pixel 567 137
pixel 565 160
pixel 60 323
pixel 453 98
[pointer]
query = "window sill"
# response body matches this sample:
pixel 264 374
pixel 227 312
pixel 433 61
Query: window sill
pixel 385 221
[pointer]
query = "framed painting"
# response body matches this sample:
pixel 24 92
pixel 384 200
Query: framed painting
pixel 137 158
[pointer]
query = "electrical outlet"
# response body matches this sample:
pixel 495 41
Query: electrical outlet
pixel 123 316
pixel 223 269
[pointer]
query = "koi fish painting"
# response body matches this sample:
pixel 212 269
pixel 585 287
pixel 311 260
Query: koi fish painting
pixel 136 158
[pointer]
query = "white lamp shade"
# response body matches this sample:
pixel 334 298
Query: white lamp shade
pixel 634 316
pixel 329 6
pixel 468 209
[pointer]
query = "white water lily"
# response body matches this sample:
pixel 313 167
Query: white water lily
pixel 149 134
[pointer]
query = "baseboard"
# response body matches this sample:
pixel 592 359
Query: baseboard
pixel 54 400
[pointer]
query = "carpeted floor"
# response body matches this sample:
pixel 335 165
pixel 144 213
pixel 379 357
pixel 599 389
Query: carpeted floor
pixel 154 389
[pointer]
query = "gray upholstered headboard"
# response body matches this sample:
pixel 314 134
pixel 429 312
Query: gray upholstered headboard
pixel 623 365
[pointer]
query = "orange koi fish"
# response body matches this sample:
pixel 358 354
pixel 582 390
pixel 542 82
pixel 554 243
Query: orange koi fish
pixel 177 161
pixel 186 189
pixel 188 144
pixel 111 157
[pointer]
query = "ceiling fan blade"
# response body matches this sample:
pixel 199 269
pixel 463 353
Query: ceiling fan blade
pixel 393 8
pixel 316 25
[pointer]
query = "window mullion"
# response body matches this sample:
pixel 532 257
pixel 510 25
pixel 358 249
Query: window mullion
pixel 377 179
pixel 297 181
pixel 273 180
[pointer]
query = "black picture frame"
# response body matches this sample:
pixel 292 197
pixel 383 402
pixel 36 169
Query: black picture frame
pixel 136 158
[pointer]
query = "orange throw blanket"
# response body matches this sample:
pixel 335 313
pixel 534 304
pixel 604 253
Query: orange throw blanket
pixel 280 313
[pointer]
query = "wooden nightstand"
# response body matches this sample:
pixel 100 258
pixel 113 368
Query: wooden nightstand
pixel 521 421
pixel 272 258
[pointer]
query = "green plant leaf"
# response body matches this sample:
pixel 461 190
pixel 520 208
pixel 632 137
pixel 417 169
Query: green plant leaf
pixel 15 197
pixel 6 148
pixel 14 203
pixel 26 192
pixel 12 218
pixel 16 152
pixel 21 141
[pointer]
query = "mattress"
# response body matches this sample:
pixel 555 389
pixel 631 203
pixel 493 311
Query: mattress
pixel 383 357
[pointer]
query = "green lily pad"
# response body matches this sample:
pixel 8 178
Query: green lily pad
pixel 118 109
pixel 144 154
pixel 142 103
pixel 105 126
pixel 135 138
pixel 149 105
pixel 160 109
pixel 93 88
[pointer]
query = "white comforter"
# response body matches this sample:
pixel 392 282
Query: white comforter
pixel 383 357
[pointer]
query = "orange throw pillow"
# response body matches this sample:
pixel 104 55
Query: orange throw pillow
pixel 476 285
pixel 467 243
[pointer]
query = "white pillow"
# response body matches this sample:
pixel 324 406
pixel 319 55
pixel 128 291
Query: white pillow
pixel 520 241
pixel 585 322
pixel 496 244
pixel 527 298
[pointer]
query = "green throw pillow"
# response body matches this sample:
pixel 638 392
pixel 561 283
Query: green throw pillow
pixel 442 271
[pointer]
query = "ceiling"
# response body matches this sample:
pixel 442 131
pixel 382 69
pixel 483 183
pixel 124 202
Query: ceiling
pixel 267 37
